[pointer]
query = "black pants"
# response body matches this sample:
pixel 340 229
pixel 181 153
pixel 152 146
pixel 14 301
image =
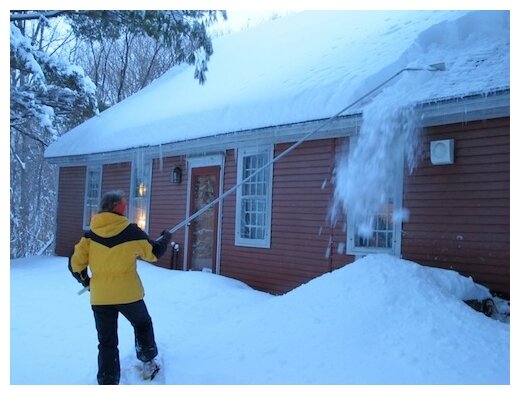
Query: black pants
pixel 109 370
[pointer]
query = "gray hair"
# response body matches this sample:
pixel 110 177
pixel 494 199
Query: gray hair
pixel 110 199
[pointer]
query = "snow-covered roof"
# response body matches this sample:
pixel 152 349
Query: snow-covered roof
pixel 303 67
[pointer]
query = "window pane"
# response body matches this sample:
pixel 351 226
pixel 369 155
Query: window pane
pixel 382 234
pixel 92 194
pixel 140 194
pixel 253 200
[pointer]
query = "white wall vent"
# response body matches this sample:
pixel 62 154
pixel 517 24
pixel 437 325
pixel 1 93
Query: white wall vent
pixel 442 152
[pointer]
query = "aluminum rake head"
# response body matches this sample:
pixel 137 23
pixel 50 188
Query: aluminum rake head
pixel 437 67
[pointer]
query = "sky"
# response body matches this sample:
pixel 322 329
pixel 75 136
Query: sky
pixel 379 320
pixel 239 20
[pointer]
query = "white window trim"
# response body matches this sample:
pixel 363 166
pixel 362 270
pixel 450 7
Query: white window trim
pixel 352 249
pixel 86 225
pixel 131 198
pixel 266 242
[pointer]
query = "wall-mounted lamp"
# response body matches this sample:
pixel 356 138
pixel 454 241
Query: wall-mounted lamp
pixel 141 190
pixel 176 176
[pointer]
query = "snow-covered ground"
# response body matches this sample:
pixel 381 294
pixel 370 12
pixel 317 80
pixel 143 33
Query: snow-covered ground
pixel 380 320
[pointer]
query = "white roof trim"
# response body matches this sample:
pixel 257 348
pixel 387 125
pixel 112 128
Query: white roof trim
pixel 467 109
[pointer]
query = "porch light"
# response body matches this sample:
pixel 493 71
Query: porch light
pixel 141 190
pixel 176 176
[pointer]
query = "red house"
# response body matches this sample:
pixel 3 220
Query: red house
pixel 176 146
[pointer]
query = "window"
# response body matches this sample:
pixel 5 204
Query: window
pixel 92 194
pixel 382 233
pixel 140 194
pixel 253 208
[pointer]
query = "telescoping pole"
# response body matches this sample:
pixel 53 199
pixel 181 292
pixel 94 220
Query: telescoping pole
pixel 433 67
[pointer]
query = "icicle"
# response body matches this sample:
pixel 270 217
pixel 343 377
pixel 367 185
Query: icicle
pixel 327 252
pixel 324 184
pixel 160 158
pixel 329 248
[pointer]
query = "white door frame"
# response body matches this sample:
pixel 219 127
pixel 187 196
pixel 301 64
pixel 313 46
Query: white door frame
pixel 205 161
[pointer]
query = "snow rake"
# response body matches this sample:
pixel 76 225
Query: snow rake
pixel 433 67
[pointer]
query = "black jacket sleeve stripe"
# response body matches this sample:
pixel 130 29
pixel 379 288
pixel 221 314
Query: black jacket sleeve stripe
pixel 130 233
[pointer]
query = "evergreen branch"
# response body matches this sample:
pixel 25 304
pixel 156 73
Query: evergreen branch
pixel 26 16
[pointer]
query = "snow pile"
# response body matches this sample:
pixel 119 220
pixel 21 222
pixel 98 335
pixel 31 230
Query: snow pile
pixel 380 320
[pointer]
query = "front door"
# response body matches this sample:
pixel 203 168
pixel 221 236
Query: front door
pixel 203 230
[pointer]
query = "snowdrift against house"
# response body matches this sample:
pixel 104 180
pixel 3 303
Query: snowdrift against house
pixel 303 67
pixel 379 320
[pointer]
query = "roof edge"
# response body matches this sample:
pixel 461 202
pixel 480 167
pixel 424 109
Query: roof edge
pixel 442 112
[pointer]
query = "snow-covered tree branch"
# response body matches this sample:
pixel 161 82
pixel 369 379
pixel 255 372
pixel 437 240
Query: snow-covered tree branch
pixel 51 93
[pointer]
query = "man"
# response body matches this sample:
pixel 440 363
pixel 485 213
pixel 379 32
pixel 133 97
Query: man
pixel 110 249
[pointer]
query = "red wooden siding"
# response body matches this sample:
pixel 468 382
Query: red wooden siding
pixel 116 177
pixel 459 214
pixel 168 203
pixel 69 221
pixel 338 230
pixel 71 195
pixel 300 231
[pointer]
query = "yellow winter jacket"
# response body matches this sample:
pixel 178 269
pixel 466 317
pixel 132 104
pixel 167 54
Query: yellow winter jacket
pixel 110 250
